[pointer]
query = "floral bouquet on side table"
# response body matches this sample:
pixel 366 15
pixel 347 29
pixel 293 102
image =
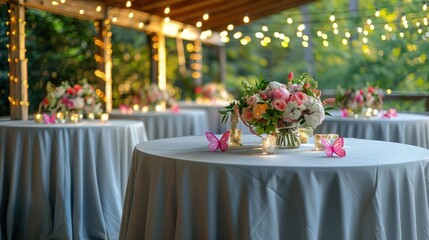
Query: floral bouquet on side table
pixel 275 108
pixel 152 98
pixel 65 99
pixel 215 93
pixel 364 102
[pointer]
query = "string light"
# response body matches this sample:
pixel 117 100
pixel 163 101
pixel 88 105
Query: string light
pixel 230 27
pixel 130 14
pixel 206 16
pixel 246 19
pixel 425 6
pixel 81 11
pixel 141 24
pixel 264 28
pixel 128 4
pixel 199 24
pixel 377 13
pixel 114 19
pixel 98 9
pixel 55 3
pixel 167 10
pixel 63 1
pixel 289 20
pixel 332 17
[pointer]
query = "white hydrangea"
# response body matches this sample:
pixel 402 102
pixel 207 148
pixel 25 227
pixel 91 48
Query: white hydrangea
pixel 315 112
pixel 293 111
pixel 275 85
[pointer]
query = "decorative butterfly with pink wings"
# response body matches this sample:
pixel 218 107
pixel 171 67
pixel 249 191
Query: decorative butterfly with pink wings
pixel 336 147
pixel 215 143
pixel 48 119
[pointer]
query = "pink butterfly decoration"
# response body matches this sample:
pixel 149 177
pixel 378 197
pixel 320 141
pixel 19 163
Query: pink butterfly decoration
pixel 336 148
pixel 344 113
pixel 48 119
pixel 390 113
pixel 215 143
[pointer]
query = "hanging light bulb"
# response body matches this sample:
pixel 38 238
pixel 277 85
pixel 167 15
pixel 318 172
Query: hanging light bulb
pixel 332 17
pixel 199 24
pixel 167 10
pixel 425 6
pixel 81 11
pixel 246 19
pixel 377 13
pixel 130 14
pixel 55 3
pixel 289 20
pixel 230 27
pixel 128 4
pixel 141 24
pixel 98 9
pixel 206 16
pixel 167 19
pixel 368 21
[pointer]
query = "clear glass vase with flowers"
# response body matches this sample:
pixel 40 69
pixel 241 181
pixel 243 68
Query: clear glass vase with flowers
pixel 275 108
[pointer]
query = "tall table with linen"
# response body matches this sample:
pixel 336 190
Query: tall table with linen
pixel 65 181
pixel 178 189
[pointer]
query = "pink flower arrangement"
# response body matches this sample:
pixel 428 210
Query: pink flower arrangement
pixel 357 101
pixel 64 98
pixel 151 95
pixel 269 106
pixel 215 92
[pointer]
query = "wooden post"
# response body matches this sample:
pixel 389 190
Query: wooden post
pixel 18 75
pixel 222 64
pixel 162 62
pixel 197 65
pixel 153 46
pixel 104 62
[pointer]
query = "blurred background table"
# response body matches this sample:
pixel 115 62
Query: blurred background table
pixel 215 119
pixel 405 128
pixel 65 181
pixel 169 124
pixel 178 189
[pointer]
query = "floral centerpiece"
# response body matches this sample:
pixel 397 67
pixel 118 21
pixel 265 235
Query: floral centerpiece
pixel 366 101
pixel 215 92
pixel 80 98
pixel 275 108
pixel 152 98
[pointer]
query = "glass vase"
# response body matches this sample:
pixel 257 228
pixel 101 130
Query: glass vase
pixel 288 138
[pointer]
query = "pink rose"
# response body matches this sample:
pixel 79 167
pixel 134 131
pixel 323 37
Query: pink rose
pixel 279 104
pixel 247 114
pixel 252 100
pixel 264 95
pixel 280 93
pixel 298 98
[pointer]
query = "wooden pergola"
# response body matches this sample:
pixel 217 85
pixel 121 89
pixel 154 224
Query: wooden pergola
pixel 195 20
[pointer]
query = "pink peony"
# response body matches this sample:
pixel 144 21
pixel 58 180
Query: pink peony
pixel 279 104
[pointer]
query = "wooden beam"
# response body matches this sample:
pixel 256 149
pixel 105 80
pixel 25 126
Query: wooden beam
pixel 17 62
pixel 104 61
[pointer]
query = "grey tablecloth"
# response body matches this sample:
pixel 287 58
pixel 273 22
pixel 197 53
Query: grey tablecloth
pixel 64 181
pixel 169 124
pixel 406 128
pixel 178 189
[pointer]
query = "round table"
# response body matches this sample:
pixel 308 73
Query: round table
pixel 405 128
pixel 169 124
pixel 178 189
pixel 65 181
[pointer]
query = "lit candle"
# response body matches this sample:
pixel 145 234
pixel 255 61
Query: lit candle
pixel 235 138
pixel 60 117
pixel 91 116
pixel 268 144
pixel 145 108
pixel 104 117
pixel 38 118
pixel 74 118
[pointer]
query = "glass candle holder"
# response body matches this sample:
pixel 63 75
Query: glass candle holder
pixel 104 117
pixel 235 137
pixel 91 116
pixel 38 118
pixel 60 118
pixel 268 144
pixel 304 134
pixel 74 117
pixel 318 142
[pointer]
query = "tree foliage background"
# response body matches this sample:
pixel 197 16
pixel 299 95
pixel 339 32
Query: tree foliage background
pixel 391 56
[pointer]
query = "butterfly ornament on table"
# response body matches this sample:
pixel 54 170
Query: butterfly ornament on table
pixel 215 143
pixel 336 147
pixel 48 119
